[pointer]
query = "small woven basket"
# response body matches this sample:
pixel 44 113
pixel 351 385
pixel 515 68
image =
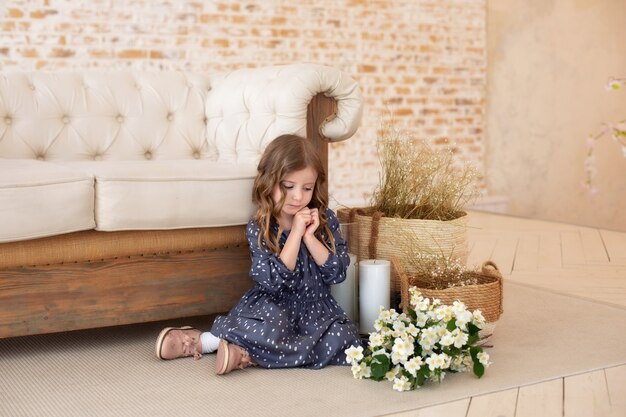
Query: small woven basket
pixel 486 296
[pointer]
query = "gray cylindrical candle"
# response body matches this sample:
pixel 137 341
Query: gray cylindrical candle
pixel 345 293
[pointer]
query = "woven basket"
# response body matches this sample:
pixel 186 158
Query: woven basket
pixel 485 296
pixel 373 236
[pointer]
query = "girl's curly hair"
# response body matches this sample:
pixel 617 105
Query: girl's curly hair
pixel 284 155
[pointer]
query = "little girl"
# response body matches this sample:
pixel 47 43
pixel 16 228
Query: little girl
pixel 289 317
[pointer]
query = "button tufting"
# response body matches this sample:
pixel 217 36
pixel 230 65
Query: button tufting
pixel 65 119
pixel 8 120
pixel 148 155
pixel 170 116
pixel 119 118
pixel 196 155
pixel 40 157
pixel 97 157
pixel 32 87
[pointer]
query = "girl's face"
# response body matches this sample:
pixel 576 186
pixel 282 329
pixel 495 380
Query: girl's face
pixel 298 186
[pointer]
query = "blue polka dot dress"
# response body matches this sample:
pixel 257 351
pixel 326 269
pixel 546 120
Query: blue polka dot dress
pixel 289 318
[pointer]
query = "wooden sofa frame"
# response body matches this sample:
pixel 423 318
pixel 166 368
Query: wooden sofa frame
pixel 93 279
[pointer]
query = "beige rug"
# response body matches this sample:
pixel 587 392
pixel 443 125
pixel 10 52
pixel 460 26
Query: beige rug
pixel 113 372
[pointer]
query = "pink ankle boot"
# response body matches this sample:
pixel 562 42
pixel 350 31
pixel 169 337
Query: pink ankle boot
pixel 230 357
pixel 179 342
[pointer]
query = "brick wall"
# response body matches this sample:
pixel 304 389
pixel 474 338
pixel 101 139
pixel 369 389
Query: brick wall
pixel 423 61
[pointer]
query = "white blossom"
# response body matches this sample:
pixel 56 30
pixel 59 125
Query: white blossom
pixel 413 365
pixel 391 374
pixel 381 351
pixel 399 326
pixel 412 330
pixel 478 319
pixel 447 339
pixel 458 307
pixel 435 361
pixel 401 384
pixel 376 339
pixel 378 325
pixel 460 338
pixel 421 320
pixel 458 364
pixel 483 357
pixel 444 313
pixel 354 353
pixel 397 358
pixel 462 318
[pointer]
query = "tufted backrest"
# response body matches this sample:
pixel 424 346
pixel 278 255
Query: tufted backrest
pixel 92 116
pixel 128 115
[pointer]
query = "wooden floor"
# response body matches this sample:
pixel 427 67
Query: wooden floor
pixel 581 261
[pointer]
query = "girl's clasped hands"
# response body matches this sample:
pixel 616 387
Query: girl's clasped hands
pixel 305 222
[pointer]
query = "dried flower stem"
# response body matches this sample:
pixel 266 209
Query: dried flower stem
pixel 617 131
pixel 433 269
pixel 419 182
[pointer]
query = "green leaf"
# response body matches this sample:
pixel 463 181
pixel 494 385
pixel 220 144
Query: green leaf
pixel 451 325
pixel 472 339
pixel 378 371
pixel 479 369
pixel 379 367
pixel 451 351
pixel 412 313
pixel 474 351
pixel 473 329
pixel 420 379
pixel 418 350
pixel 383 360
pixel 424 371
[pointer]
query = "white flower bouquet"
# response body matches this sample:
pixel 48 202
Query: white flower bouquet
pixel 432 339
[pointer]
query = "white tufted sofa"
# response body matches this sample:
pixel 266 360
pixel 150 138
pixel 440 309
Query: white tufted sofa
pixel 123 195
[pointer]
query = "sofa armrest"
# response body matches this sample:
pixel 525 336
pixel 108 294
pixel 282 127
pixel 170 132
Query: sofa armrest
pixel 247 108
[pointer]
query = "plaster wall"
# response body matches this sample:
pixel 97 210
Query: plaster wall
pixel 548 62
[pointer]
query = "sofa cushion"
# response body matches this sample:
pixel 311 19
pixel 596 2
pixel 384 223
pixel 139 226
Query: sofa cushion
pixel 142 195
pixel 40 199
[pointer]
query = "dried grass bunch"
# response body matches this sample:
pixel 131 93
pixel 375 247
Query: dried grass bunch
pixel 438 272
pixel 434 269
pixel 419 182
